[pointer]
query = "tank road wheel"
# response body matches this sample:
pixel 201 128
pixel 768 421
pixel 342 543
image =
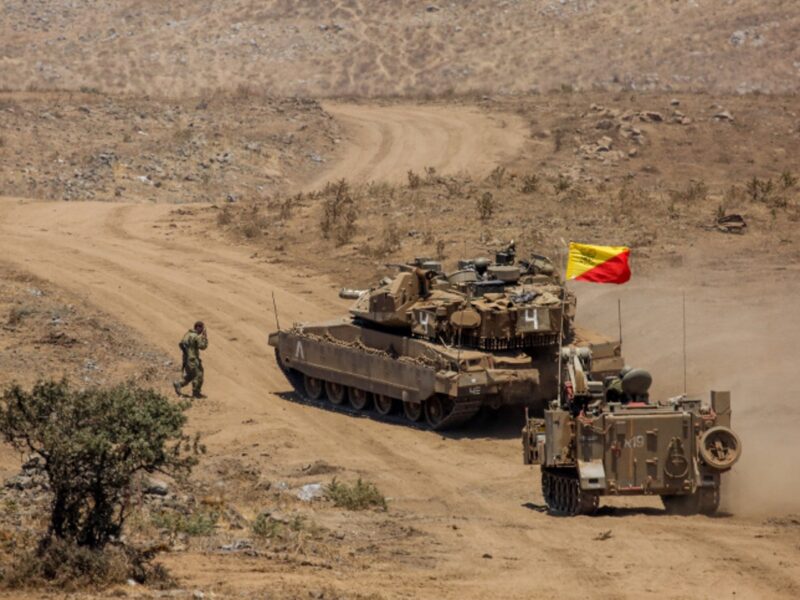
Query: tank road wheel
pixel 437 409
pixel 313 387
pixel 337 393
pixel 412 411
pixel 359 399
pixel 384 405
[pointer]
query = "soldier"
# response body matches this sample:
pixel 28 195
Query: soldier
pixel 614 392
pixel 193 342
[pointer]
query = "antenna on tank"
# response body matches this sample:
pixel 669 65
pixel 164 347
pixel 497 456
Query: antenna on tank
pixel 275 310
pixel 684 343
pixel 619 320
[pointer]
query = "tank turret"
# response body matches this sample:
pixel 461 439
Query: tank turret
pixel 483 304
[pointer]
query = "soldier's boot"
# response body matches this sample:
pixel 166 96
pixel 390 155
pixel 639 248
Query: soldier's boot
pixel 197 385
pixel 177 387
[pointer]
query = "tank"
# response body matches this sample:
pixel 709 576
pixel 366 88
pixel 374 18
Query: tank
pixel 610 438
pixel 438 346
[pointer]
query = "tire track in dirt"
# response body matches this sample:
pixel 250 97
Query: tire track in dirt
pixel 385 142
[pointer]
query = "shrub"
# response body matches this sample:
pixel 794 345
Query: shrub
pixel 414 180
pixel 486 206
pixel 563 183
pixel 765 191
pixel 68 566
pixel 18 314
pixel 431 176
pixel 267 527
pixel 497 176
pixel 530 183
pixel 788 181
pixel 225 216
pixel 197 523
pixel 695 191
pixel 358 496
pixel 440 250
pixel 92 444
pixel 339 213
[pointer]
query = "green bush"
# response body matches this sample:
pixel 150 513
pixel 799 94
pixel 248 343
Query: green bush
pixel 357 496
pixel 92 443
pixel 198 523
pixel 266 527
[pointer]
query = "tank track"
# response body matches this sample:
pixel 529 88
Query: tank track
pixel 461 412
pixel 563 494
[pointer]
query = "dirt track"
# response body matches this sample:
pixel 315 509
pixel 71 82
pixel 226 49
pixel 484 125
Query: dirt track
pixel 125 259
pixel 385 142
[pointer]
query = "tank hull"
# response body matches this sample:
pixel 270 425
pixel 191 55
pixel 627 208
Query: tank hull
pixel 447 385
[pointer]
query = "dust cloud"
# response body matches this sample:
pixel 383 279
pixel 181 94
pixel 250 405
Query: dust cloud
pixel 739 337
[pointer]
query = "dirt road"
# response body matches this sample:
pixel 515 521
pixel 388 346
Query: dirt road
pixel 478 506
pixel 384 142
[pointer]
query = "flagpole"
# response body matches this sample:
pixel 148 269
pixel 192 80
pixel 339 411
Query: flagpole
pixel 561 328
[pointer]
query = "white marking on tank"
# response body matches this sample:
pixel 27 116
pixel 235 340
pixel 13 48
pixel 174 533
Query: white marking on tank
pixel 532 316
pixel 424 318
pixel 300 353
pixel 636 441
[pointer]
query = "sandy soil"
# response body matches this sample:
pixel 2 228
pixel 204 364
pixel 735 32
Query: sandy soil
pixel 480 509
pixel 385 142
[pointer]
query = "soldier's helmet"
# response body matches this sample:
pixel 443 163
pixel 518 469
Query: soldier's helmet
pixel 199 326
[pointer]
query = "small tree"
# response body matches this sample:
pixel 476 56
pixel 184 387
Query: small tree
pixel 486 206
pixel 92 443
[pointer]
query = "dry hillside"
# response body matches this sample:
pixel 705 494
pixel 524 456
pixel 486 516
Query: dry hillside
pixel 407 47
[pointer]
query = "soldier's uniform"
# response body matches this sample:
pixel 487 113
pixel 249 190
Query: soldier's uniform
pixel 614 391
pixel 191 344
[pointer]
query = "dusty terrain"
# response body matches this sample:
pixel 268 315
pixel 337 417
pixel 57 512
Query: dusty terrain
pixel 476 508
pixel 403 47
pixel 197 167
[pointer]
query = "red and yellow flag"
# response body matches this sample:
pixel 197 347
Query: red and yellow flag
pixel 599 264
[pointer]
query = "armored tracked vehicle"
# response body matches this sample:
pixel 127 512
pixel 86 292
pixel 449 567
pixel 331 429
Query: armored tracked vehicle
pixel 441 346
pixel 609 438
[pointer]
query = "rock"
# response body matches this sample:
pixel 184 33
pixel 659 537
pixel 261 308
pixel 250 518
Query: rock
pixel 319 467
pixel 674 102
pixel 316 158
pixel 20 482
pixel 431 8
pixel 237 545
pixel 604 144
pixel 155 487
pixel 605 124
pixel 487 555
pixel 723 115
pixel 633 152
pixel 34 463
pixel 653 116
pixel 264 485
pixel 198 595
pixel 738 38
pixel 310 492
